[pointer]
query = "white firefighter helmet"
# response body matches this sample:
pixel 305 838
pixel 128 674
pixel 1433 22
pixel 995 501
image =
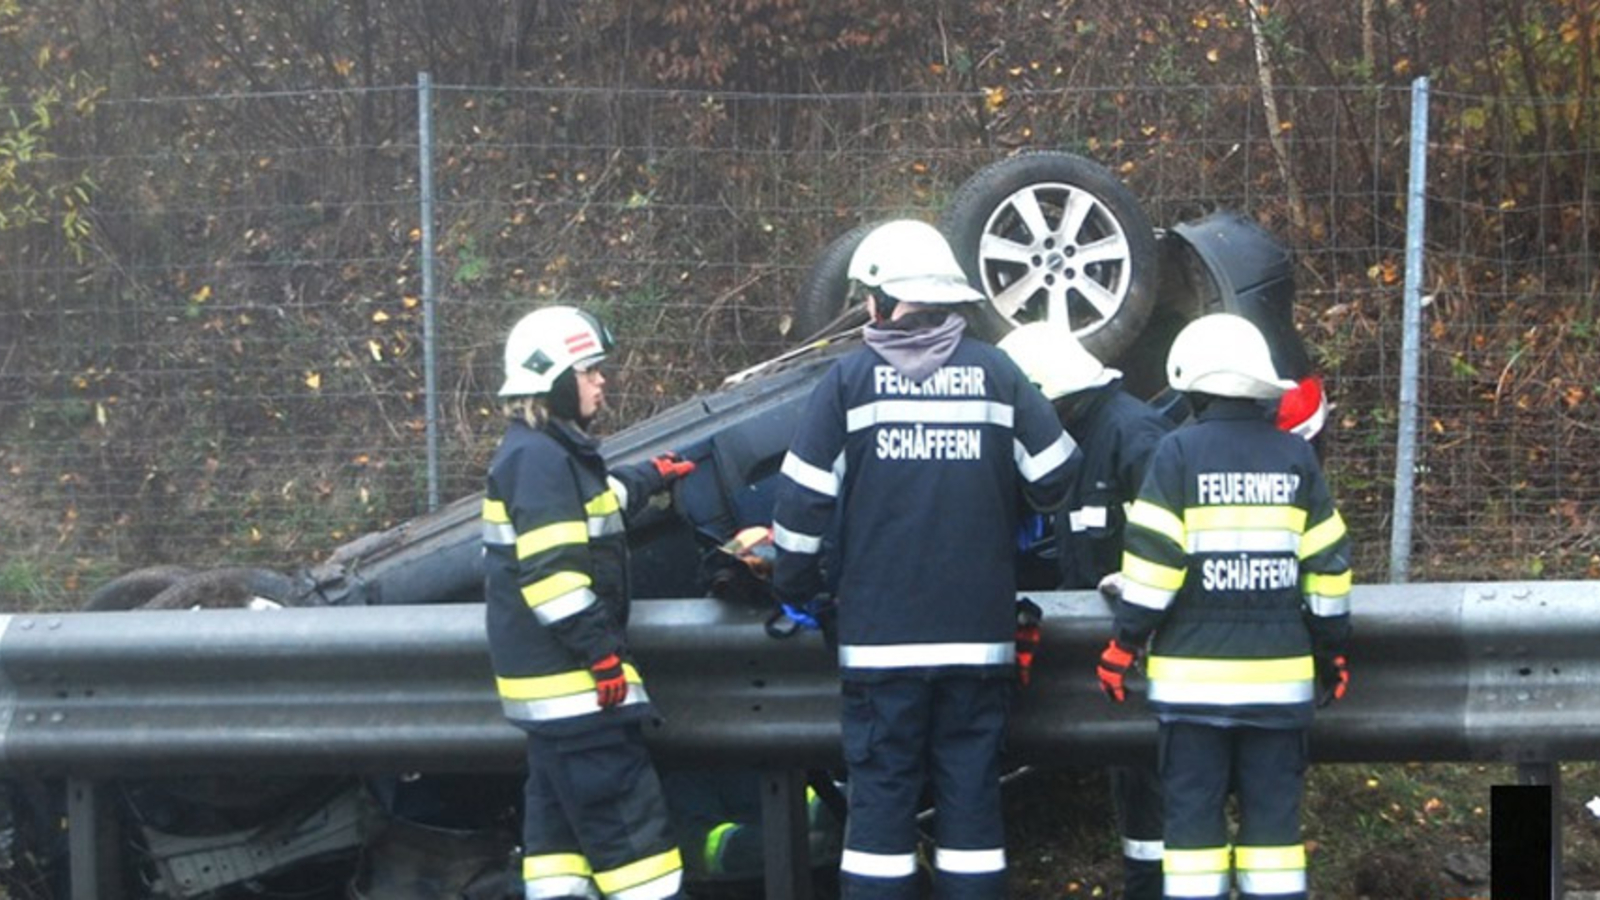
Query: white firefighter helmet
pixel 911 261
pixel 1054 360
pixel 1225 355
pixel 547 342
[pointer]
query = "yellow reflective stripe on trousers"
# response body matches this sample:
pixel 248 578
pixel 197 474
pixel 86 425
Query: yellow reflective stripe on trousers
pixel 650 878
pixel 1229 682
pixel 1271 870
pixel 1158 519
pixel 716 839
pixel 1195 873
pixel 553 535
pixel 1322 535
pixel 554 864
pixel 557 875
pixel 553 586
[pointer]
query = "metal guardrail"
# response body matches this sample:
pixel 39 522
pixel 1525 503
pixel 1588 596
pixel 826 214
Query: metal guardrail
pixel 1441 672
pixel 1495 671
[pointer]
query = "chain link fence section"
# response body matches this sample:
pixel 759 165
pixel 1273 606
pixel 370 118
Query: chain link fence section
pixel 233 373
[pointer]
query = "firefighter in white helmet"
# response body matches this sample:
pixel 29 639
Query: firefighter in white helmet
pixel 556 586
pixel 1116 433
pixel 1236 570
pixel 916 449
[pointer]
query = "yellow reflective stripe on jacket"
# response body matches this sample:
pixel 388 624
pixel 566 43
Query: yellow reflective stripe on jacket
pixel 554 864
pixel 545 537
pixel 495 511
pixel 1152 574
pixel 1231 671
pixel 1322 535
pixel 603 504
pixel 1279 518
pixel 1162 521
pixel 624 881
pixel 1328 585
pixel 497 524
pixel 1189 862
pixel 561 684
pixel 1189 681
pixel 547 589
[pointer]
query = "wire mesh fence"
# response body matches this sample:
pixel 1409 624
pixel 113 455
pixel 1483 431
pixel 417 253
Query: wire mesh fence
pixel 229 369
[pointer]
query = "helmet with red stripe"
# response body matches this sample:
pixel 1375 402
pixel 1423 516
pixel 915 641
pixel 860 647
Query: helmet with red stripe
pixel 547 342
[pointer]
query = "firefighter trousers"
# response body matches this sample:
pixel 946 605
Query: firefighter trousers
pixel 595 822
pixel 1265 767
pixel 1136 791
pixel 905 733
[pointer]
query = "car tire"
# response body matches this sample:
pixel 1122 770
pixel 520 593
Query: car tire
pixel 823 300
pixel 134 589
pixel 1034 271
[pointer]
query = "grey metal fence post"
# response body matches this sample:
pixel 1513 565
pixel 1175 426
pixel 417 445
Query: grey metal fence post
pixel 1405 457
pixel 429 351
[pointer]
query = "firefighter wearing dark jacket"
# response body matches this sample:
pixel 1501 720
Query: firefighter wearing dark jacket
pixel 556 586
pixel 1116 434
pixel 1237 571
pixel 915 451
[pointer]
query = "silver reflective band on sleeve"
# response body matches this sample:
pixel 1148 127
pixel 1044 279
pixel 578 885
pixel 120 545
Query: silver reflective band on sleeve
pixel 905 656
pixel 1087 517
pixel 1243 540
pixel 1146 596
pixel 969 862
pixel 1277 881
pixel 1328 606
pixel 569 604
pixel 611 523
pixel 568 707
pixel 1037 465
pixel 1145 851
pixel 561 886
pixel 499 533
pixel 1201 884
pixel 878 865
pixel 794 541
pixel 811 477
pixel 929 412
pixel 1165 690
pixel 620 489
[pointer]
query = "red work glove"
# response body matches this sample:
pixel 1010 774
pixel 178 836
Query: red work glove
pixel 671 466
pixel 610 685
pixel 1115 661
pixel 1333 679
pixel 1029 617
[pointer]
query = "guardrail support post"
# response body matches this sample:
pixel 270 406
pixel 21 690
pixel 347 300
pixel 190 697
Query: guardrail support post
pixel 1547 774
pixel 786 854
pixel 94 843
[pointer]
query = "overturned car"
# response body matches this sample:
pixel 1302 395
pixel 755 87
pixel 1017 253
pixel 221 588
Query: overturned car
pixel 1045 236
